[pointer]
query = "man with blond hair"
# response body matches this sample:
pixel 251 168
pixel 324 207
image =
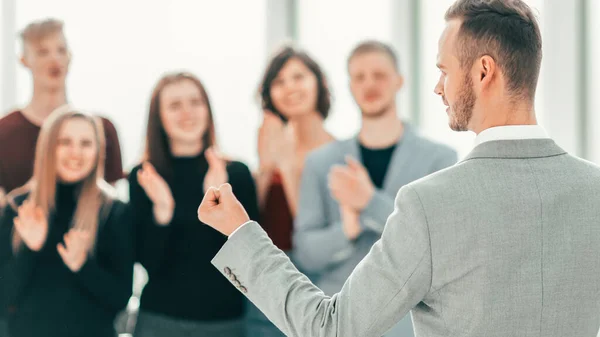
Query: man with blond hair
pixel 47 56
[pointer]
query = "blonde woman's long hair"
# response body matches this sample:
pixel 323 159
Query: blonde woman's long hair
pixel 94 194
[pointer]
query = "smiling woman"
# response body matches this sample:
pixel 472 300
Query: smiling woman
pixel 76 150
pixel 115 63
pixel 67 217
pixel 184 293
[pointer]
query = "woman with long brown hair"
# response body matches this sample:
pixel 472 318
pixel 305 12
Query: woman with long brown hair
pixel 184 295
pixel 296 101
pixel 66 257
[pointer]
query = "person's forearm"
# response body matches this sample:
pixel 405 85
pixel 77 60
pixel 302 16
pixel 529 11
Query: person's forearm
pixel 163 214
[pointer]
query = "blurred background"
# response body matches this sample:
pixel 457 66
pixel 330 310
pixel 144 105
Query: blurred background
pixel 120 48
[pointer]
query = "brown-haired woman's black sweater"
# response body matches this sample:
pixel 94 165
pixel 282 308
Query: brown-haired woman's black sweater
pixel 183 284
pixel 45 297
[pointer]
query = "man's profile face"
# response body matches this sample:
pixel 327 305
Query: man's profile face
pixel 48 60
pixel 455 85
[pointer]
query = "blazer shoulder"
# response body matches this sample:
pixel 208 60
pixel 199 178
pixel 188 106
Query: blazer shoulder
pixel 319 160
pixel 436 147
pixel 585 171
pixel 586 165
pixel 439 181
pixel 329 153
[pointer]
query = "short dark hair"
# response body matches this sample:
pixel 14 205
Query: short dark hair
pixel 370 46
pixel 506 30
pixel 277 63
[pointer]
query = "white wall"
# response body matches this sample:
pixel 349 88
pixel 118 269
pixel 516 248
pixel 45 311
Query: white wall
pixel 329 33
pixel 434 121
pixel 3 56
pixel 121 48
pixel 593 80
pixel 7 52
pixel 561 74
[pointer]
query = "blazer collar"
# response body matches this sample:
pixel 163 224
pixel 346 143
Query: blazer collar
pixel 516 149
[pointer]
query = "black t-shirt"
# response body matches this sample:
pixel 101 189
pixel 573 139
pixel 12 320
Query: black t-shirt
pixel 376 161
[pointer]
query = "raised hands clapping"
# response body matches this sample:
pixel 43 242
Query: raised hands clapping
pixel 31 225
pixel 217 170
pixel 75 250
pixel 158 192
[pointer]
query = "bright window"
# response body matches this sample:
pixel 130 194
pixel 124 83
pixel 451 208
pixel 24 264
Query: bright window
pixel 593 80
pixel 121 48
pixel 329 30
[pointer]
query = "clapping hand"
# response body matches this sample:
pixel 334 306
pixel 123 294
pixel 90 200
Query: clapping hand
pixel 350 222
pixel 158 192
pixel 351 185
pixel 3 199
pixel 217 170
pixel 31 225
pixel 276 143
pixel 74 252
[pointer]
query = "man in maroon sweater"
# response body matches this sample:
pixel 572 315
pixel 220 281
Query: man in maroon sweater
pixel 46 55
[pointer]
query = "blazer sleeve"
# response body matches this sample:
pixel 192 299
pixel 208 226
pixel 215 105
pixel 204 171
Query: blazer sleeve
pixel 318 241
pixel 393 278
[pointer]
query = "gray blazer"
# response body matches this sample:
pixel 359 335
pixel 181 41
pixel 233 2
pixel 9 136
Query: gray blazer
pixel 321 249
pixel 505 243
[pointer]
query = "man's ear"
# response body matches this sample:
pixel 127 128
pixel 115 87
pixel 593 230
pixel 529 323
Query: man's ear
pixel 23 61
pixel 487 70
pixel 399 82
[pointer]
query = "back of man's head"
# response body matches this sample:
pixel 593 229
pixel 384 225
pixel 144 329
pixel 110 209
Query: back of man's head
pixel 506 30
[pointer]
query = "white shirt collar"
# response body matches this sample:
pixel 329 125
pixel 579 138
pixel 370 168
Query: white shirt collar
pixel 511 132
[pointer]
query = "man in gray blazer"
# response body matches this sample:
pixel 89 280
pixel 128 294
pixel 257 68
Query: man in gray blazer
pixel 353 182
pixel 348 187
pixel 504 243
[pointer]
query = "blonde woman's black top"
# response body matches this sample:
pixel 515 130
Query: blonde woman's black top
pixel 45 298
